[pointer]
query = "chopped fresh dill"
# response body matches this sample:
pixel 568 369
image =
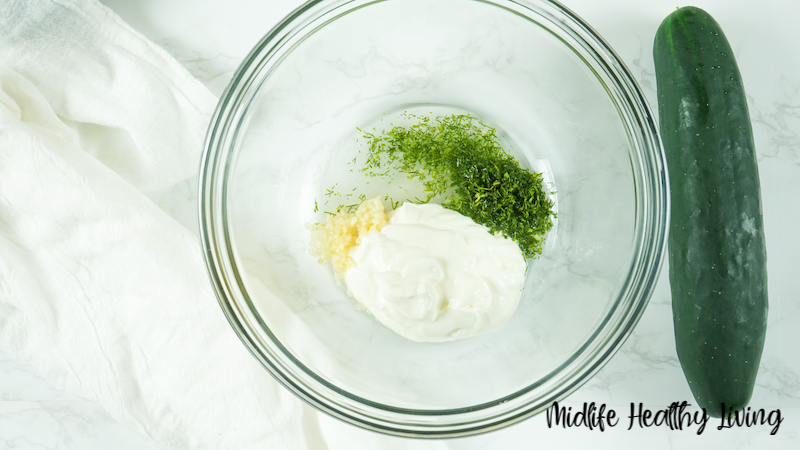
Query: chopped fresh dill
pixel 349 209
pixel 459 157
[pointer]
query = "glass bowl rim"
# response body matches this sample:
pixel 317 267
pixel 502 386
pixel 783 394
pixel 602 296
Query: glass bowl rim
pixel 652 211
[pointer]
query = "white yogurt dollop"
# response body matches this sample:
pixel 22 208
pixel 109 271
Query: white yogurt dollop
pixel 432 275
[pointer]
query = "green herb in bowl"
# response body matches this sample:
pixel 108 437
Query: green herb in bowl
pixel 460 157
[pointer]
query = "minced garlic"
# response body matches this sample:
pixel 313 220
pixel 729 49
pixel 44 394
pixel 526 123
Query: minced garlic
pixel 342 231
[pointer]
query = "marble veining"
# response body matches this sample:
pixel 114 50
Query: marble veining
pixel 37 415
pixel 215 70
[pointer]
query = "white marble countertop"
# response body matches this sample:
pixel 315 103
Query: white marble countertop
pixel 210 37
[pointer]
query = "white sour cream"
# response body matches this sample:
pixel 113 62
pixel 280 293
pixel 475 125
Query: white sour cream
pixel 432 275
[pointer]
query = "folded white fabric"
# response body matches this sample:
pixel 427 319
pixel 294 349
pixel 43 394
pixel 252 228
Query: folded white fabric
pixel 101 292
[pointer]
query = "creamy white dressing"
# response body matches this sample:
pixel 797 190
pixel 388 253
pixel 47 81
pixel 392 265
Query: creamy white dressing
pixel 432 275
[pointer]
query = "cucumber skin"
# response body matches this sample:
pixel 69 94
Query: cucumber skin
pixel 717 251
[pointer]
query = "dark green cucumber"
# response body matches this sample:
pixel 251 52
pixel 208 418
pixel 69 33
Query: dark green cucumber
pixel 717 252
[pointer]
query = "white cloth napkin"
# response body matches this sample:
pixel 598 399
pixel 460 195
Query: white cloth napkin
pixel 101 292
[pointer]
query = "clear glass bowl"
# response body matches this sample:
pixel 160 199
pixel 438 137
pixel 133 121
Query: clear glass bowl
pixel 563 104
